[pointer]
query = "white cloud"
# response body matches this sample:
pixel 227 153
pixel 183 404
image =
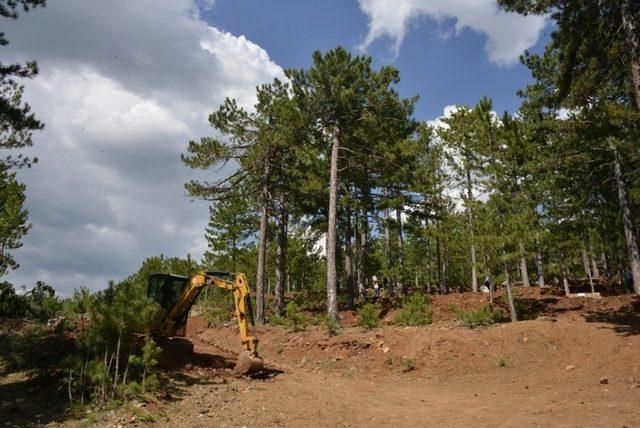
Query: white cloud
pixel 123 86
pixel 508 34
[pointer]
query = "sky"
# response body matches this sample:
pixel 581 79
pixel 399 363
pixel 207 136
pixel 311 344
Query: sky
pixel 125 84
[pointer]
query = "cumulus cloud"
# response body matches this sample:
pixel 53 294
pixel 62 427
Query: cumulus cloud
pixel 123 86
pixel 508 34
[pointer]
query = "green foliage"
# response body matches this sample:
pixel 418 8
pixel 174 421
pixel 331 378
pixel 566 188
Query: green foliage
pixel 482 317
pixel 293 318
pixel 370 315
pixel 276 319
pixel 18 344
pixel 408 364
pixel 40 303
pixel 13 218
pixel 331 325
pixel 296 320
pixel 232 221
pixel 147 362
pixel 415 311
pixel 12 305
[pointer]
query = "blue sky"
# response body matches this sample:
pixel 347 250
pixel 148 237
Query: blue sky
pixel 442 71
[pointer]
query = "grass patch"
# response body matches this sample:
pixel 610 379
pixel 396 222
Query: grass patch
pixel 408 364
pixel 331 325
pixel 370 315
pixel 482 317
pixel 415 311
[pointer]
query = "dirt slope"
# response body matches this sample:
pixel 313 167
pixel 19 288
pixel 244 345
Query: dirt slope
pixel 576 365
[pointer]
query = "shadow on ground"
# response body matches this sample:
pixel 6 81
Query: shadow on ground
pixel 625 320
pixel 31 382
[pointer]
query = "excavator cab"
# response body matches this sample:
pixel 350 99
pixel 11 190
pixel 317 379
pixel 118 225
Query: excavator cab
pixel 176 294
pixel 167 289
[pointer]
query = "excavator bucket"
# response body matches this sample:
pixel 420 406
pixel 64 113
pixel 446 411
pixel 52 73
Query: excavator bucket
pixel 248 363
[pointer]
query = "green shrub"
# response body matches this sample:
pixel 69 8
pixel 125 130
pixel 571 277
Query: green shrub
pixel 276 319
pixel 370 315
pixel 482 317
pixel 408 364
pixel 295 319
pixel 331 325
pixel 415 311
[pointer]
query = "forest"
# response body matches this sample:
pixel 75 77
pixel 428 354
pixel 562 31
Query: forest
pixel 333 199
pixel 334 182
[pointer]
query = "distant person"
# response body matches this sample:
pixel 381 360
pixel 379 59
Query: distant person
pixel 376 286
pixel 487 283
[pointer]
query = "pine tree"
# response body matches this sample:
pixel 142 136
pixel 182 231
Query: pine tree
pixel 16 120
pixel 595 42
pixel 232 221
pixel 13 219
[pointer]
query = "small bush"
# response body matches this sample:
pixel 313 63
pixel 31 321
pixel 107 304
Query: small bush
pixel 331 325
pixel 370 314
pixel 295 319
pixel 408 364
pixel 276 319
pixel 415 311
pixel 482 317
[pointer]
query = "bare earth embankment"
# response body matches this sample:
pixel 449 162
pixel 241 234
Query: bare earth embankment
pixel 577 364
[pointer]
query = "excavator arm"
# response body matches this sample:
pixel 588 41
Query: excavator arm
pixel 176 295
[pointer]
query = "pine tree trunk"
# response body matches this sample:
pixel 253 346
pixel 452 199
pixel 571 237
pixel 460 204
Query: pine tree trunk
pixel 627 219
pixel 474 267
pixel 585 258
pixel 565 278
pixel 585 264
pixel 524 272
pixel 262 247
pixel 445 268
pixel 362 256
pixel 512 304
pixel 281 264
pixel 387 241
pixel 399 288
pixel 117 367
pixel 539 268
pixel 332 297
pixel 594 268
pixel 594 263
pixel 348 251
pixel 427 253
pixel 630 21
pixel 605 267
pixel 439 264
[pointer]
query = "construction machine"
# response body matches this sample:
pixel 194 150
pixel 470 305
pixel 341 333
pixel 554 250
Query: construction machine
pixel 176 294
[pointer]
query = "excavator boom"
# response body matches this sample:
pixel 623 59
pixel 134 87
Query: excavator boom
pixel 176 294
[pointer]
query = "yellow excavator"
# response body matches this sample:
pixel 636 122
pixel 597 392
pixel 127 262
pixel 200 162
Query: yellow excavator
pixel 176 294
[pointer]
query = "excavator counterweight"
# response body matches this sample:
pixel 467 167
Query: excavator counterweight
pixel 176 294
